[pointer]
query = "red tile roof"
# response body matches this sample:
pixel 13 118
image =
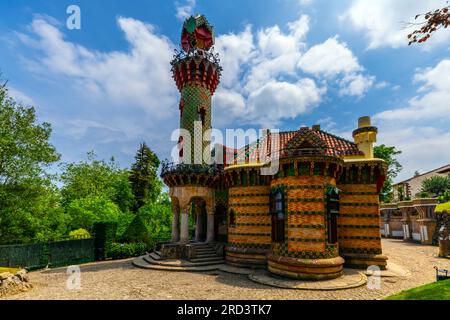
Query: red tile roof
pixel 291 142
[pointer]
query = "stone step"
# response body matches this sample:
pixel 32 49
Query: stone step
pixel 181 263
pixel 210 260
pixel 205 251
pixel 143 264
pixel 155 256
pixel 201 256
pixel 204 248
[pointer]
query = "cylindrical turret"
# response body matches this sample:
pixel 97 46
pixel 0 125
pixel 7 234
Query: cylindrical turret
pixel 365 136
pixel 196 72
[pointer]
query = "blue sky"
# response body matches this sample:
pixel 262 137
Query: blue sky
pixel 287 63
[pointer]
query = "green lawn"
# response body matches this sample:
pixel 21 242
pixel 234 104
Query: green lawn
pixel 434 291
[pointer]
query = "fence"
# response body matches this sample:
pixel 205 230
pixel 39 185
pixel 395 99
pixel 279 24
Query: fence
pixel 51 254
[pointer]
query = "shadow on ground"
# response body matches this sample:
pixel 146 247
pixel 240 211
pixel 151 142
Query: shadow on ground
pixel 96 267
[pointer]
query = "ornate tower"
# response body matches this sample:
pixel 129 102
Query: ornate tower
pixel 193 181
pixel 196 72
pixel 365 136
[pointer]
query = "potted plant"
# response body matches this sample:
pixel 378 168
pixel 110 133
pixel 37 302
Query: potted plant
pixel 443 214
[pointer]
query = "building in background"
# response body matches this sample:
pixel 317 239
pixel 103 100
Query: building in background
pixel 412 187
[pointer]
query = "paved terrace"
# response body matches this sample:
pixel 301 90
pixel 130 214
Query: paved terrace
pixel 120 280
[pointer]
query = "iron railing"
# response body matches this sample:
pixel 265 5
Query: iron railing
pixel 181 168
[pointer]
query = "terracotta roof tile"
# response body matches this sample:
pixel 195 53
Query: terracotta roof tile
pixel 329 144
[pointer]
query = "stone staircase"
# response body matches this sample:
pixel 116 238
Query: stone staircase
pixel 203 257
pixel 205 253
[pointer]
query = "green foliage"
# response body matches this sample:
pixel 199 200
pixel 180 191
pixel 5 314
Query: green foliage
pixel 145 183
pixel 127 250
pixel 401 192
pixel 85 212
pixel 96 178
pixel 136 232
pixel 443 207
pixel 424 195
pixel 445 197
pixel 437 185
pixel 125 220
pixel 80 233
pixel 105 235
pixel 157 217
pixel 28 201
pixel 435 291
pixel 388 154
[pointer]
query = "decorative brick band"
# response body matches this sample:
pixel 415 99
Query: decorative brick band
pixel 249 195
pixel 249 245
pixel 253 214
pixel 344 251
pixel 306 240
pixel 308 226
pixel 360 226
pixel 253 224
pixel 306 200
pixel 358 204
pixel 311 187
pixel 359 238
pixel 306 213
pixel 359 215
pixel 250 234
pixel 232 205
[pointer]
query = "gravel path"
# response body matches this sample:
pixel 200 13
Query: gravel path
pixel 120 280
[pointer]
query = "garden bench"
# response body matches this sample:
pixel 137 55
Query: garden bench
pixel 442 274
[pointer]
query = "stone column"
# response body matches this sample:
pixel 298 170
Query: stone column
pixel 184 234
pixel 210 228
pixel 198 223
pixel 175 224
pixel 210 221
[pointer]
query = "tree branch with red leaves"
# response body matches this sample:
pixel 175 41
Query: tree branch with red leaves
pixel 434 20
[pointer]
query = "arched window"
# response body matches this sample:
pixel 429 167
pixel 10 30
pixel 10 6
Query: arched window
pixel 278 217
pixel 332 214
pixel 232 218
pixel 202 115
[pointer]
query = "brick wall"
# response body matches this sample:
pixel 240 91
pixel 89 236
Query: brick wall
pixel 252 217
pixel 359 219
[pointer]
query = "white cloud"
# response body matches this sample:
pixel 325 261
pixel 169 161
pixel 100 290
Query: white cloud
pixel 420 129
pixel 356 85
pixel 140 77
pixel 424 148
pixel 382 85
pixel 253 87
pixel 305 2
pixel 185 10
pixel 235 50
pixel 433 100
pixel 384 21
pixel 265 70
pixel 329 59
pixel 20 97
pixel 276 101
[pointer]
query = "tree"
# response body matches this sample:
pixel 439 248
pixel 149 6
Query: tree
pixel 145 183
pixel 85 212
pixel 29 202
pixel 433 21
pixel 96 178
pixel 437 185
pixel 157 217
pixel 136 232
pixel 388 154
